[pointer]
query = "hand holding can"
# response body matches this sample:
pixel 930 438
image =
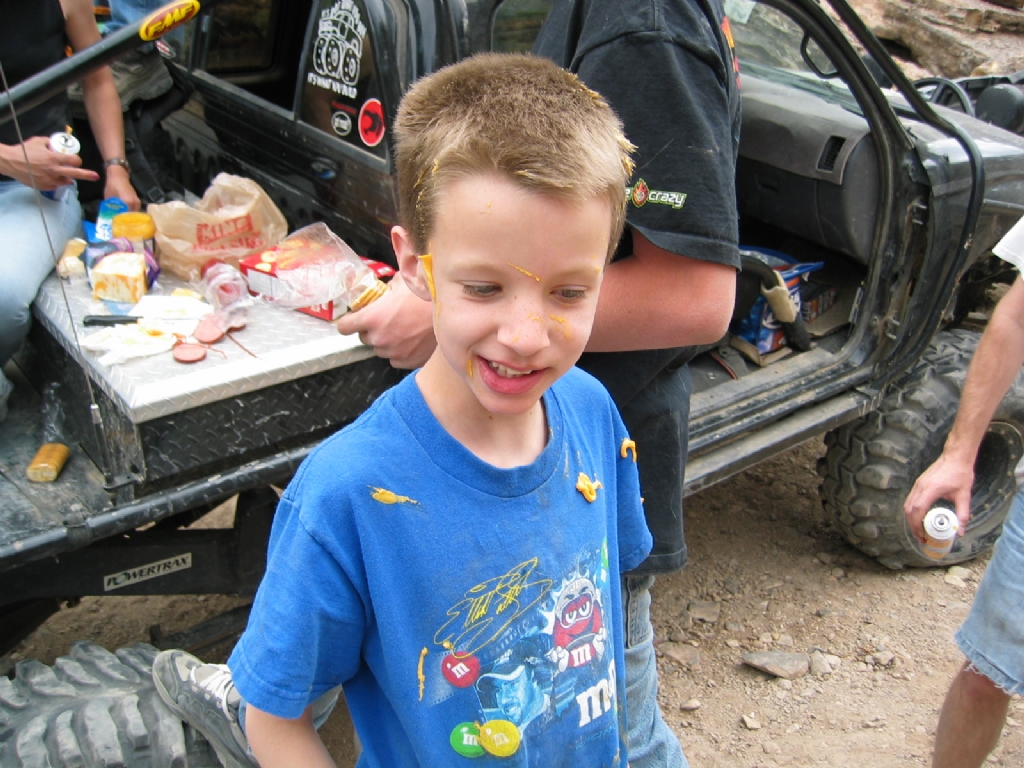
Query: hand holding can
pixel 940 529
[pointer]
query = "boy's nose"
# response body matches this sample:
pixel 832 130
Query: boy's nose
pixel 524 329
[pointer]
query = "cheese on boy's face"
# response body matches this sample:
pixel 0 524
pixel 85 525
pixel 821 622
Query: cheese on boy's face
pixel 516 277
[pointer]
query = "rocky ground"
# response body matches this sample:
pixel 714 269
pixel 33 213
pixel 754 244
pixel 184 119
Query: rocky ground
pixel 767 573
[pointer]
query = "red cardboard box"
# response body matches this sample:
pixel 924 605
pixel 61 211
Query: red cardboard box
pixel 262 278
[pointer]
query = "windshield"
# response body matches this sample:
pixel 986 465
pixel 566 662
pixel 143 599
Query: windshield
pixel 772 46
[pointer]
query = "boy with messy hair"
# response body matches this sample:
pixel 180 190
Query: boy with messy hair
pixel 452 558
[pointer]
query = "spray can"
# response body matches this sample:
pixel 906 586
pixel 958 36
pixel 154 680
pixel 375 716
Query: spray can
pixel 66 144
pixel 940 527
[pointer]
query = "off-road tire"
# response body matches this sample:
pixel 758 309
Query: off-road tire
pixel 872 463
pixel 94 709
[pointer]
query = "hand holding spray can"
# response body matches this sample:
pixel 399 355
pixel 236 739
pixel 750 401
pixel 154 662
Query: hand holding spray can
pixel 66 144
pixel 940 527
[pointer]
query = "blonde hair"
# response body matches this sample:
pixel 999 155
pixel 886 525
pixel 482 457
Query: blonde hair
pixel 519 116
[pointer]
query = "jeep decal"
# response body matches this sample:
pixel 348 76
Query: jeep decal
pixel 338 49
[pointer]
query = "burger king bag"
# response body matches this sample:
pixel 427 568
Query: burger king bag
pixel 234 219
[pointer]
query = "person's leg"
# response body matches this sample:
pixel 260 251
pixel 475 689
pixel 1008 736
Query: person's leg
pixel 650 741
pixel 991 638
pixel 972 718
pixel 29 257
pixel 124 12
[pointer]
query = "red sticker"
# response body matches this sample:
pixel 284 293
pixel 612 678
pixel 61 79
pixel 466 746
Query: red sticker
pixel 371 122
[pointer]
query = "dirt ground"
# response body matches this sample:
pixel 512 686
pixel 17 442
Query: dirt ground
pixel 768 572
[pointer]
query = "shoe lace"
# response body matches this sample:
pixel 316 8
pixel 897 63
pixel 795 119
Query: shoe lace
pixel 219 684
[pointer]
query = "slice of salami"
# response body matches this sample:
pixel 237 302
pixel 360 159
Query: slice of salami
pixel 208 331
pixel 189 353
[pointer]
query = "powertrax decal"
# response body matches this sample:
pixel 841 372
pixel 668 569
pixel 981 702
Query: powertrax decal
pixel 167 18
pixel 147 572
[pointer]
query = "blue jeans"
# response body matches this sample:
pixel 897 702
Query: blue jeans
pixel 27 255
pixel 650 741
pixel 124 12
pixel 992 635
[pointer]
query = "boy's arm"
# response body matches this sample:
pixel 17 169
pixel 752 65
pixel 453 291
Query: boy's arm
pixel 280 743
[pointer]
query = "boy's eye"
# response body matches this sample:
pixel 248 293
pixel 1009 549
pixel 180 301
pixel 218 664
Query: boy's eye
pixel 480 290
pixel 572 294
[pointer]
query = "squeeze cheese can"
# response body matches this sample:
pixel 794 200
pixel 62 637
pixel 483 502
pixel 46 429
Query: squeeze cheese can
pixel 940 527
pixel 66 144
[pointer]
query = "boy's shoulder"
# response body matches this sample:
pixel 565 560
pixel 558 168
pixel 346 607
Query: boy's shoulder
pixel 578 387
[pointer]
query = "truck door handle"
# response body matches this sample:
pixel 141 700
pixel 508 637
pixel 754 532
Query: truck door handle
pixel 324 168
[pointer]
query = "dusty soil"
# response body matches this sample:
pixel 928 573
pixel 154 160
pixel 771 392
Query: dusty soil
pixel 767 560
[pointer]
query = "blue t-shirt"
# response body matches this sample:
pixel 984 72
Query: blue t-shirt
pixel 470 611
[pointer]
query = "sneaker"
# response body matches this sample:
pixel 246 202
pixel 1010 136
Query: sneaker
pixel 137 75
pixel 205 697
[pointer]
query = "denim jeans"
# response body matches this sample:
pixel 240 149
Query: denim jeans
pixel 992 635
pixel 27 255
pixel 650 741
pixel 124 12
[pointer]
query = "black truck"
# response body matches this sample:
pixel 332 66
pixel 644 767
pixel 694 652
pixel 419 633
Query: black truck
pixel 889 196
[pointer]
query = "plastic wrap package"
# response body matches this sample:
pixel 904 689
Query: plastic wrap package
pixel 312 270
pixel 235 218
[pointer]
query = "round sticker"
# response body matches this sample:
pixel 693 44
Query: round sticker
pixel 499 737
pixel 371 122
pixel 461 671
pixel 341 123
pixel 465 740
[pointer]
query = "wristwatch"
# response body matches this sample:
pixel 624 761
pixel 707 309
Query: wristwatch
pixel 118 161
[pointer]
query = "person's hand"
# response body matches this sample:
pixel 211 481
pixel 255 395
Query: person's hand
pixel 49 169
pixel 948 479
pixel 119 184
pixel 399 326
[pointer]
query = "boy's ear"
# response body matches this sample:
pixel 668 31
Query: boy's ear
pixel 409 264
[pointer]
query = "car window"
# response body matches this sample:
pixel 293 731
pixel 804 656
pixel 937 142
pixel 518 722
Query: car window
pixel 341 94
pixel 256 45
pixel 517 24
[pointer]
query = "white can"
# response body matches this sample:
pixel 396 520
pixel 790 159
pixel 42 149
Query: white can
pixel 940 527
pixel 65 144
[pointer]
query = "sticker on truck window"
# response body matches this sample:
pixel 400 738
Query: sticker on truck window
pixel 371 122
pixel 338 49
pixel 146 572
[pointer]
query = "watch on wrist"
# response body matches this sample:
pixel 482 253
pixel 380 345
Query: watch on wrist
pixel 118 161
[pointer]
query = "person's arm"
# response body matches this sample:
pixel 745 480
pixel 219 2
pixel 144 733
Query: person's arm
pixel 102 103
pixel 654 299
pixel 44 169
pixel 996 362
pixel 399 326
pixel 280 743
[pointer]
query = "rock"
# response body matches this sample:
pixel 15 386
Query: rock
pixel 819 665
pixel 751 723
pixel 954 580
pixel 691 705
pixel 732 642
pixel 826 558
pixel 733 626
pixel 958 571
pixel 950 38
pixel 823 612
pixel 779 663
pixel 837 573
pixel 833 661
pixel 684 655
pixel 705 610
pixel 884 658
pixel 784 684
pixel 785 641
pixel 771 748
pixel 732 586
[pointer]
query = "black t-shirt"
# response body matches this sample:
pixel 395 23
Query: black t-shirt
pixel 32 38
pixel 667 68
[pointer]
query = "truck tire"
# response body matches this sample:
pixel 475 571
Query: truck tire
pixel 872 463
pixel 94 708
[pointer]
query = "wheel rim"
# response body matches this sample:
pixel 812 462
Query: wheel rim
pixel 994 482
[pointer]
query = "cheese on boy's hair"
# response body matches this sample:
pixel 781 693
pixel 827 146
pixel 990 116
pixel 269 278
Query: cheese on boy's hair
pixel 516 115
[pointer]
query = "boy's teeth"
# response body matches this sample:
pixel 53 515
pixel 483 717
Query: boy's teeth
pixel 508 373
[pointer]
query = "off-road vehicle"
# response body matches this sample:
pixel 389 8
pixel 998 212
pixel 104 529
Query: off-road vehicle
pixel 896 199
